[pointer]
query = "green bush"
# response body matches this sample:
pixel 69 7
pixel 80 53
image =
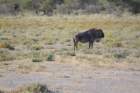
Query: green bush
pixel 50 57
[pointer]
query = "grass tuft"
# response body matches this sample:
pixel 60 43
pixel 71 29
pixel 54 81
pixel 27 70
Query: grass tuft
pixel 51 57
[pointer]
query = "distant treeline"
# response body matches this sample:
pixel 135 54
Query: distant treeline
pixel 50 7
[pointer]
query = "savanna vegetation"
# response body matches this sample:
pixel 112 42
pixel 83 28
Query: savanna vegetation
pixel 33 32
pixel 52 7
pixel 41 38
pixel 28 35
pixel 32 88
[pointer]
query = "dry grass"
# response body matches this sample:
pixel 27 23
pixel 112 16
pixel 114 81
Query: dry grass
pixel 70 22
pixel 54 35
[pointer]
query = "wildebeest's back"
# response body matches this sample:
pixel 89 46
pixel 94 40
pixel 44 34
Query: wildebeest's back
pixel 84 37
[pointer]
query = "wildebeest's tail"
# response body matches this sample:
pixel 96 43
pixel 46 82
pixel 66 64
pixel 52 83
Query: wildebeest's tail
pixel 74 43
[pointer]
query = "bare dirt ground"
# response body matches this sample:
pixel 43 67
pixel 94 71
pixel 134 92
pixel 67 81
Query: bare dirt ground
pixel 75 78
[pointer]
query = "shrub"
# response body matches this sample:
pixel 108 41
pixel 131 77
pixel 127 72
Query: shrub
pixel 36 60
pixel 6 55
pixel 9 47
pixel 6 45
pixel 50 57
pixel 120 53
pixel 36 56
pixel 33 88
pixel 37 88
pixel 37 47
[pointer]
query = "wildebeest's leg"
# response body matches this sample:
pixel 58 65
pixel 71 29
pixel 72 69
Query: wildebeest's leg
pixel 91 44
pixel 75 44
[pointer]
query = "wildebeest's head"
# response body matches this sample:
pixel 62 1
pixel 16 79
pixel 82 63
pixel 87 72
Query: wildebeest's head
pixel 99 34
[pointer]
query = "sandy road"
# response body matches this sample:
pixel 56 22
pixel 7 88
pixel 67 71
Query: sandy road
pixel 69 78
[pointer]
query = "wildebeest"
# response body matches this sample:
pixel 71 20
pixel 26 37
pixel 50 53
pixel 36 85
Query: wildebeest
pixel 89 36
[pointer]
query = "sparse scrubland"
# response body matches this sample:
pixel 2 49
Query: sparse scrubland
pixel 41 36
pixel 27 42
pixel 37 53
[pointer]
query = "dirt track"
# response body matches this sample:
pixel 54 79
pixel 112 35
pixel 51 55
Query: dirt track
pixel 71 78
